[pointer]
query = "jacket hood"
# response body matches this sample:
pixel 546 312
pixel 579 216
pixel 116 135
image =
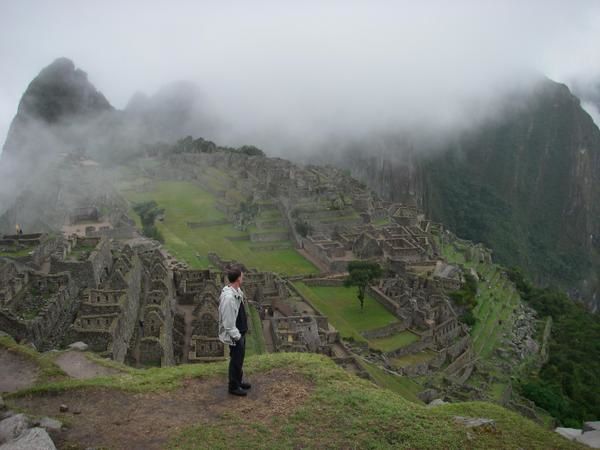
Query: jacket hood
pixel 229 289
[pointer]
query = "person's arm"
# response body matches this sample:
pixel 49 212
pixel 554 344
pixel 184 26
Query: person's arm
pixel 229 317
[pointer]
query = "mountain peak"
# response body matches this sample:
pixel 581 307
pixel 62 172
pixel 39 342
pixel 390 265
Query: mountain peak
pixel 59 91
pixel 58 94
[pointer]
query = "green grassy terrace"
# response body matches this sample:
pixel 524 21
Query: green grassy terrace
pixel 496 299
pixel 185 202
pixel 342 308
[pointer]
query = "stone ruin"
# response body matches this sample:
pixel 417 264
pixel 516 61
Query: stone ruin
pixel 128 299
pixel 197 293
pixel 35 306
pixel 88 221
pixel 290 323
pixel 424 308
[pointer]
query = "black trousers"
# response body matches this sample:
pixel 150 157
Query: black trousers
pixel 236 361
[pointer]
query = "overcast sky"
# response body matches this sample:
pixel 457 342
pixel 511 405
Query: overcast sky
pixel 301 70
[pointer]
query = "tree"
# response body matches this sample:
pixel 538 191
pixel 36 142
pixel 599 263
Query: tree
pixel 361 274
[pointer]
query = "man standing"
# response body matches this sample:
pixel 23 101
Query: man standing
pixel 233 326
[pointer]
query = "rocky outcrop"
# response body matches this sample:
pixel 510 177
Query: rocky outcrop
pixel 60 93
pixel 16 432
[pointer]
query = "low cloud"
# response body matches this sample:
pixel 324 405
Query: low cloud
pixel 291 77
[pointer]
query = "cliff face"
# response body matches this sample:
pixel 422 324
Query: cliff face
pixel 527 185
pixel 58 94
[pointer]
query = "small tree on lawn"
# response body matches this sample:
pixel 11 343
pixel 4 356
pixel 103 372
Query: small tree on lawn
pixel 361 274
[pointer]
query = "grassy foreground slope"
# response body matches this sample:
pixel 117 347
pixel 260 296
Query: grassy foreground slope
pixel 339 410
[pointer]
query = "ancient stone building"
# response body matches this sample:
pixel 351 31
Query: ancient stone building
pixel 35 306
pixel 198 294
pixel 109 313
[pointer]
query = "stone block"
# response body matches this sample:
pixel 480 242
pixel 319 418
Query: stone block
pixel 591 426
pixel 50 424
pixel 79 346
pixel 436 402
pixel 590 438
pixel 34 438
pixel 569 433
pixel 12 427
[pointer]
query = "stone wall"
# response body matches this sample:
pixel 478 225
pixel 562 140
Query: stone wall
pixel 415 347
pixel 386 331
pixel 207 223
pixel 127 321
pixel 151 351
pixel 13 326
pixel 385 301
pixel 270 236
pixel 331 282
pixel 88 273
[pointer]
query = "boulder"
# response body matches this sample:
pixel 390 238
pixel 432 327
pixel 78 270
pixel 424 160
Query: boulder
pixel 50 424
pixel 569 433
pixel 591 426
pixel 33 438
pixel 476 423
pixel 436 402
pixel 428 395
pixel 79 346
pixel 12 427
pixel 590 438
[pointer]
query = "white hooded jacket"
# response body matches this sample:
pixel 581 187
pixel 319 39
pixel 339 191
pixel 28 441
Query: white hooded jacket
pixel 229 304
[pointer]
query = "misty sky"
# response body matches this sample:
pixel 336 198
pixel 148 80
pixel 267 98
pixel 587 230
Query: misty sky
pixel 281 71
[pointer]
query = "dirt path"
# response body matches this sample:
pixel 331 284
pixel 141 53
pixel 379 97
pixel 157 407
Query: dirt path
pixel 121 420
pixel 77 365
pixel 16 371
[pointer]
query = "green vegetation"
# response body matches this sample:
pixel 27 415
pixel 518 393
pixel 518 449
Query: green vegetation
pixel 344 313
pixel 303 228
pixel 17 253
pixel 495 298
pixel 256 339
pixel 412 359
pixel 508 185
pixel 466 297
pixel 372 417
pixel 348 412
pixel 184 202
pixel 48 370
pixel 568 385
pixel 403 386
pixel 81 251
pixel 394 342
pixel 148 212
pixel 361 274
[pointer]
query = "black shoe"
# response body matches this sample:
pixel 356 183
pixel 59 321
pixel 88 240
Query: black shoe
pixel 238 391
pixel 245 386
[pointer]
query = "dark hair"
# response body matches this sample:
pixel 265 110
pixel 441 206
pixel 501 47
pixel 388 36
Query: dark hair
pixel 233 274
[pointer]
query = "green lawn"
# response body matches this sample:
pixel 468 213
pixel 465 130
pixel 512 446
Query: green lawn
pixel 186 202
pixel 404 386
pixel 395 341
pixel 412 359
pixel 342 308
pixel 256 339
